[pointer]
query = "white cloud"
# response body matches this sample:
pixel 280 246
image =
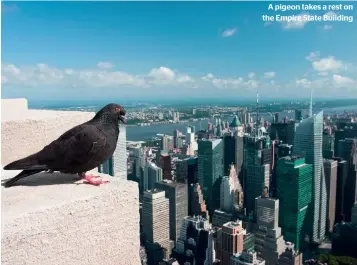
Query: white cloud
pixel 343 81
pixel 313 56
pixel 105 65
pixel 328 84
pixel 304 82
pixel 328 64
pixel 324 77
pixel 269 74
pixel 229 32
pixel 162 73
pixel 327 27
pixel 251 75
pixel 210 75
pixel 42 74
pixel 231 83
pixel 295 24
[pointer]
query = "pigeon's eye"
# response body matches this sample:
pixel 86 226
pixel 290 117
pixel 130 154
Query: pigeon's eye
pixel 117 109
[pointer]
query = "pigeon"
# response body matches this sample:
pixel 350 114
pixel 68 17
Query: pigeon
pixel 78 150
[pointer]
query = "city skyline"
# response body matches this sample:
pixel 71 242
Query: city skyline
pixel 85 50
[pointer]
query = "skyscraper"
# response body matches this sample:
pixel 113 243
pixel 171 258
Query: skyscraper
pixel 283 132
pixel 232 240
pixel 165 164
pixel 298 115
pixel 330 167
pixel 152 174
pixel 210 251
pixel 190 235
pixel 256 169
pixel 294 191
pixel 229 151
pixel 167 142
pixel 232 197
pixel 187 170
pixel 342 173
pixel 308 143
pixel 269 241
pixel 233 151
pixel 328 143
pixel 210 167
pixel 177 195
pixel 347 149
pixel 116 165
pixel 156 218
pixel 119 156
pixel 197 205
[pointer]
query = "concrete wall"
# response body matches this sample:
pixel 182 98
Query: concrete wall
pixel 50 218
pixel 24 131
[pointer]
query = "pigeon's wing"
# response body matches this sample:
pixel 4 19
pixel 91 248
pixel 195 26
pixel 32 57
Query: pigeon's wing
pixel 78 149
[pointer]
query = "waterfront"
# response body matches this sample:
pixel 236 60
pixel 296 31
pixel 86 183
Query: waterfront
pixel 141 133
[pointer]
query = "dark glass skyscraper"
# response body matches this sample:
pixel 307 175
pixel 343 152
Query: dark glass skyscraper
pixel 294 191
pixel 233 152
pixel 256 168
pixel 210 166
pixel 283 132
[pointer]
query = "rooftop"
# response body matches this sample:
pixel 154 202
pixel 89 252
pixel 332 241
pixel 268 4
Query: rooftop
pixel 292 158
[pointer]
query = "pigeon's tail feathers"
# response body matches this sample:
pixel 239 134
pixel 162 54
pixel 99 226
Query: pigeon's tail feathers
pixel 22 174
pixel 28 163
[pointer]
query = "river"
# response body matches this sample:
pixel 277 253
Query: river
pixel 142 133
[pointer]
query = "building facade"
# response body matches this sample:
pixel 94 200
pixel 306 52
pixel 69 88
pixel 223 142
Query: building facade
pixel 330 167
pixel 210 167
pixel 294 191
pixel 178 199
pixel 256 170
pixel 308 143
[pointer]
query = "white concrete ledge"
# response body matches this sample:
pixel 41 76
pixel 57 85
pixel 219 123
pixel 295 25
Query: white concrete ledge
pixel 49 219
pixel 26 131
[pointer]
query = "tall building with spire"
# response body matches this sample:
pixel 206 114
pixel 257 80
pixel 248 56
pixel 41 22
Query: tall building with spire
pixel 308 143
pixel 257 159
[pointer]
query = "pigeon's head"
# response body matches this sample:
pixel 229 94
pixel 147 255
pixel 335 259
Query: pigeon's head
pixel 113 112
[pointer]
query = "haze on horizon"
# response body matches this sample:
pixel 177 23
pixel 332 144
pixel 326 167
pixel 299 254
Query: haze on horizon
pixel 171 50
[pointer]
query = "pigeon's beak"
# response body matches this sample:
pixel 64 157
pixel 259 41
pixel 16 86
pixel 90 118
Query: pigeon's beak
pixel 121 115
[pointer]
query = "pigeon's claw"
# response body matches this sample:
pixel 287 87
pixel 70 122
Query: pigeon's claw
pixel 94 180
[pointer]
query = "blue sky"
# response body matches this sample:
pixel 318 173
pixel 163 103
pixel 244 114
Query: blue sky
pixel 172 49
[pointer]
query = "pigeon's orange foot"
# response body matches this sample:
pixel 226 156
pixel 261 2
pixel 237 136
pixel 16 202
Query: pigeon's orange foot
pixel 94 180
